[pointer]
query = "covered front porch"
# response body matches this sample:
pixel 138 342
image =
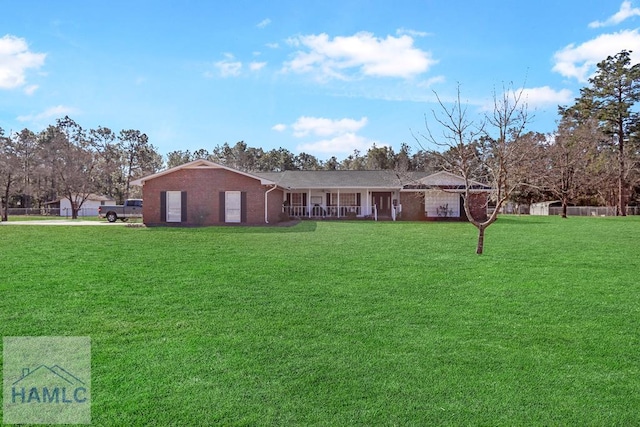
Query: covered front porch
pixel 347 203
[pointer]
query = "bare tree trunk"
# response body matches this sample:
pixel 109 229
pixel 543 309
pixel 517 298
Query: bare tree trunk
pixel 128 187
pixel 621 211
pixel 622 203
pixel 564 206
pixel 74 207
pixel 480 247
pixel 5 205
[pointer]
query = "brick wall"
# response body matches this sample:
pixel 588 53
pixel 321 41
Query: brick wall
pixel 478 206
pixel 203 187
pixel 413 207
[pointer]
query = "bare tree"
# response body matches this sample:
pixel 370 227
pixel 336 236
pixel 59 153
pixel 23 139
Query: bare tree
pixel 489 151
pixel 109 178
pixel 71 158
pixel 531 170
pixel 8 171
pixel 140 157
pixel 571 158
pixel 25 148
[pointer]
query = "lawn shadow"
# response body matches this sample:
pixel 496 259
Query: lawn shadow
pixel 296 226
pixel 520 219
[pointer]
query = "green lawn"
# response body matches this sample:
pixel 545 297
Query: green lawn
pixel 341 323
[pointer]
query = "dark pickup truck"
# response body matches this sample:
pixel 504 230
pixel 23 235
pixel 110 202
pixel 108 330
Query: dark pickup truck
pixel 132 208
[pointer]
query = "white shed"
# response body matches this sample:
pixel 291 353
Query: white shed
pixel 89 207
pixel 541 208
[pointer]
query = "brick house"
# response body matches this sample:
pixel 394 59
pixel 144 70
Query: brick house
pixel 206 193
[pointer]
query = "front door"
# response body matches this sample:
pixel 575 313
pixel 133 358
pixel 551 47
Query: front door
pixel 382 201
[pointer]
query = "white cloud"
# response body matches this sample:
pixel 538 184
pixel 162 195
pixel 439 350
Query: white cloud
pixel 541 96
pixel 257 66
pixel 431 81
pixel 412 33
pixel 534 97
pixel 335 135
pixel 229 67
pixel 320 126
pixel 579 61
pixel 56 112
pixel 264 23
pixel 344 143
pixel 31 89
pixel 272 45
pixel 15 60
pixel 625 12
pixel 362 54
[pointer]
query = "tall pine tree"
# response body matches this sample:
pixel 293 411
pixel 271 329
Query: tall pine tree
pixel 610 97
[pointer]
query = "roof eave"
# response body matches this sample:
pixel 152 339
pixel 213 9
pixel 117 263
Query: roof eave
pixel 200 164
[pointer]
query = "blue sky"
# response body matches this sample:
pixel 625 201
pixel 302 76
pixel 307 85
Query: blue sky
pixel 323 77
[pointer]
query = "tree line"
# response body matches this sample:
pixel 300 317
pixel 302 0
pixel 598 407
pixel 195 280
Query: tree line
pixel 593 157
pixel 67 161
pixel 245 158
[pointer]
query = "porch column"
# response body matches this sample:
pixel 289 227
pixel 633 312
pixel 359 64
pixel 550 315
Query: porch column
pixel 309 203
pixel 338 213
pixel 393 208
pixel 367 202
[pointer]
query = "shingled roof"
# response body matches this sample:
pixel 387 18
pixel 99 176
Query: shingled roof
pixel 369 179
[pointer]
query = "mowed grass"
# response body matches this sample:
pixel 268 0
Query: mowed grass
pixel 341 323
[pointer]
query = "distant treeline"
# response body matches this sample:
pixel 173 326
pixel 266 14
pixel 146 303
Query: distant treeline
pixel 242 157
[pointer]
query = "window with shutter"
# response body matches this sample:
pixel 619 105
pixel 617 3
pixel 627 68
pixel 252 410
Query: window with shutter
pixel 174 206
pixel 233 206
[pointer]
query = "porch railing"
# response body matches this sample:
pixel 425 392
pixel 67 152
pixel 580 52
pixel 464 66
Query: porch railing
pixel 323 211
pixel 343 211
pixel 299 211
